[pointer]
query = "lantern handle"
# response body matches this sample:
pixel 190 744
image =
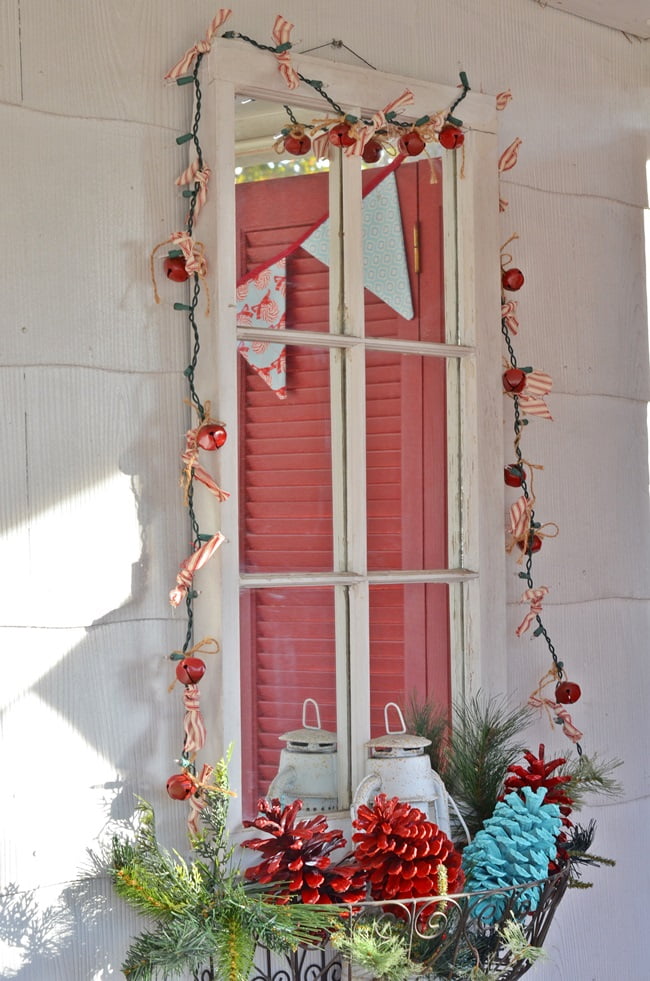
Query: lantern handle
pixel 305 724
pixel 389 731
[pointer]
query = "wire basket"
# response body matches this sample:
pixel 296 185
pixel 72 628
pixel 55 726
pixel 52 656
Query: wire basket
pixel 446 936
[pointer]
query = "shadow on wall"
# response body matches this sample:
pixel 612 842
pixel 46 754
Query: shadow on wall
pixel 90 705
pixel 67 939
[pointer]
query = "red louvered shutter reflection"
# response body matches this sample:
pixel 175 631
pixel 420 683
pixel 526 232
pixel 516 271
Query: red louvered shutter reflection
pixel 285 480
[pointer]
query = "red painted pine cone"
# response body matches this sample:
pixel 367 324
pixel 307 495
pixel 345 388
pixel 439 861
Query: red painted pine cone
pixel 406 854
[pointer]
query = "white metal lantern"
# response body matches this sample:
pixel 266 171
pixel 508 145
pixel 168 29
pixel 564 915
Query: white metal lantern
pixel 399 767
pixel 308 766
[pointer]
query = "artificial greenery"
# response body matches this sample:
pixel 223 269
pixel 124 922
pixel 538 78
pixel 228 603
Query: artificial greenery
pixel 202 910
pixel 473 754
pixel 379 947
pixel 591 775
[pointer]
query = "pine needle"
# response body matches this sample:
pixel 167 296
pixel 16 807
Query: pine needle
pixel 516 941
pixel 484 743
pixel 591 775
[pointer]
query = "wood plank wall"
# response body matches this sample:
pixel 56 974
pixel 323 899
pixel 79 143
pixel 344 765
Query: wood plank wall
pixel 91 373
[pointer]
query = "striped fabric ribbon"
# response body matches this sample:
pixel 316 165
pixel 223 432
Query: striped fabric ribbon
pixel 194 471
pixel 558 712
pixel 196 175
pixel 503 98
pixel 520 517
pixel 191 565
pixel 192 252
pixel 509 315
pixel 183 66
pixel 510 155
pixel 193 723
pixel 281 34
pixel 197 801
pixel 534 597
pixel 363 132
pixel 531 400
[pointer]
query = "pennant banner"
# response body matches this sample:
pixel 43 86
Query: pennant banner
pixel 385 272
pixel 261 297
pixel 261 302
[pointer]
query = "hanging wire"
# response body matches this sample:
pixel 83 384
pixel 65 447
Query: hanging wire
pixel 339 44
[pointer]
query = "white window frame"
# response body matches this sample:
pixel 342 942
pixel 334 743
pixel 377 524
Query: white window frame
pixel 470 192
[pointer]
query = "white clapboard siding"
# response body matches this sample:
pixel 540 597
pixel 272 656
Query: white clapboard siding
pixel 93 418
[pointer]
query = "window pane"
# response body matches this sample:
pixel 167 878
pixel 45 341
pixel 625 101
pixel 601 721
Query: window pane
pixel 403 253
pixel 283 248
pixel 287 657
pixel 406 461
pixel 286 468
pixel 409 647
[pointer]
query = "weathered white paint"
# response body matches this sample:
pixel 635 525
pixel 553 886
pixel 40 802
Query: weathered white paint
pixel 93 400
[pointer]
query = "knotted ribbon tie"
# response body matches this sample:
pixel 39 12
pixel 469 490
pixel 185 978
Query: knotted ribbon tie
pixel 201 47
pixel 503 98
pixel 534 597
pixel 194 174
pixel 281 34
pixel 191 565
pixel 363 132
pixel 521 528
pixel 197 801
pixel 193 723
pixel 556 712
pixel 531 399
pixel 508 315
pixel 520 516
pixel 509 157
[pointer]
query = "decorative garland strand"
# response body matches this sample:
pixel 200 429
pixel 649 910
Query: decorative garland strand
pixel 527 388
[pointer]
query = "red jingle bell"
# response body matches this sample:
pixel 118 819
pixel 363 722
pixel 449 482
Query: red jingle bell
pixel 174 266
pixel 372 151
pixel 567 692
pixel 297 144
pixel 339 135
pixel 411 143
pixel 212 436
pixel 180 786
pixel 190 670
pixel 533 545
pixel 451 137
pixel 512 279
pixel 514 380
pixel 514 475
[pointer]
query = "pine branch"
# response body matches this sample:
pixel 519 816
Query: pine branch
pixel 430 721
pixel 171 950
pixel 516 941
pixel 591 776
pixel 484 743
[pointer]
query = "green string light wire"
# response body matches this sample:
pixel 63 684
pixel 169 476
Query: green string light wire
pixel 319 87
pixel 191 308
pixel 519 423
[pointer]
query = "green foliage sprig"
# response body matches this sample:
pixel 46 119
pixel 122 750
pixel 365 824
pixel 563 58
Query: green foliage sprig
pixel 380 947
pixel 591 775
pixel 201 910
pixel 473 753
